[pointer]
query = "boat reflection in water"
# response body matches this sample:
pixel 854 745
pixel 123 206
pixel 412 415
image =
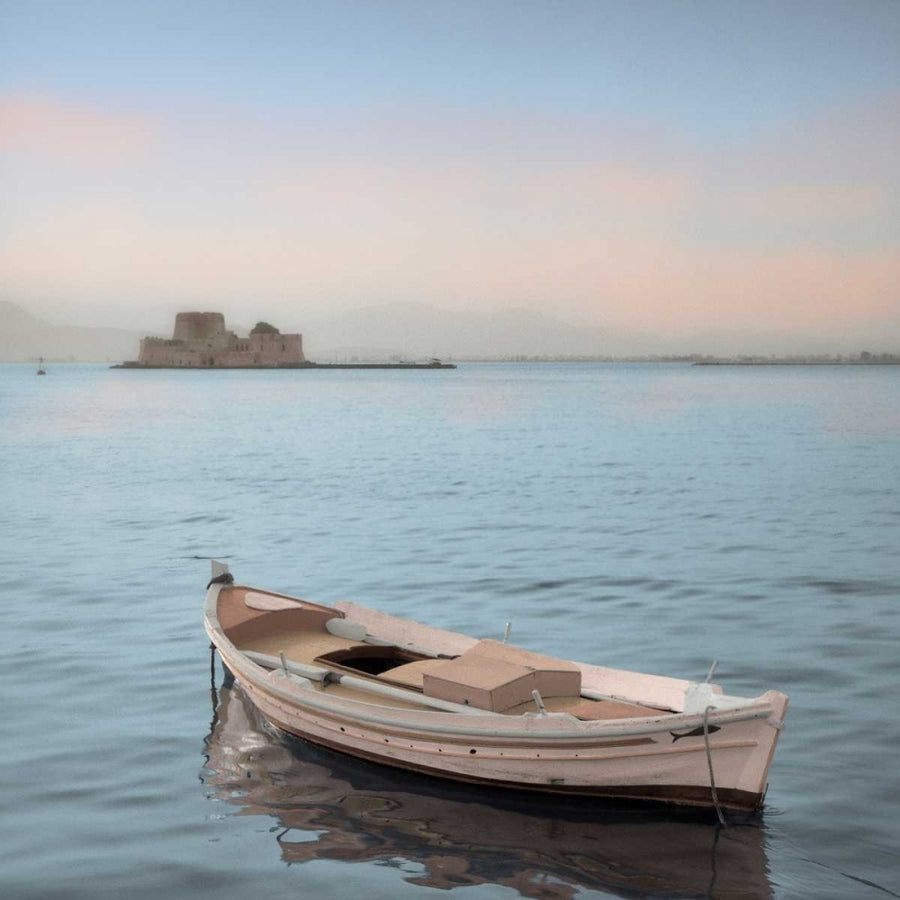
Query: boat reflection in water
pixel 448 835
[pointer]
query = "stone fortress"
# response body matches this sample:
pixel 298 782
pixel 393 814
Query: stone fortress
pixel 200 340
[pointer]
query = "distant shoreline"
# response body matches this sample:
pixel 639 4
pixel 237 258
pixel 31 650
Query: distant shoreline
pixel 798 362
pixel 693 360
pixel 292 366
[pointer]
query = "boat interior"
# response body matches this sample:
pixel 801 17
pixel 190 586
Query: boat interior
pixel 489 676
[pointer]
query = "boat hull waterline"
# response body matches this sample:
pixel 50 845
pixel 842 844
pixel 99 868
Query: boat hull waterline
pixel 351 679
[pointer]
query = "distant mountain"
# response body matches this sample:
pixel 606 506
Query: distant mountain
pixel 413 330
pixel 405 330
pixel 418 331
pixel 24 338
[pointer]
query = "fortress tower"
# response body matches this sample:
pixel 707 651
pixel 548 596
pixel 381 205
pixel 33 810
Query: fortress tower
pixel 198 326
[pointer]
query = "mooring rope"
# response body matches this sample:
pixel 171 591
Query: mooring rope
pixel 712 778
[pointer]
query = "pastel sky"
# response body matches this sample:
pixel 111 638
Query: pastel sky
pixel 683 168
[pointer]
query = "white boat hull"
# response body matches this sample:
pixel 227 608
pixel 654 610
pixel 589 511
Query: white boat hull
pixel 664 756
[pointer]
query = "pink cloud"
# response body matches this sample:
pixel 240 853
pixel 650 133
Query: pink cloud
pixel 645 188
pixel 847 144
pixel 802 202
pixel 620 238
pixel 50 128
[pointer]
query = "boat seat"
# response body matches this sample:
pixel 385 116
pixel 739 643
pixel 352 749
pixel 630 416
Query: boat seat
pixel 412 674
pixel 245 614
pixel 300 646
pixel 268 602
pixel 593 710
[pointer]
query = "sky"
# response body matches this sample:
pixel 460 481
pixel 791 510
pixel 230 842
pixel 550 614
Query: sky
pixel 693 170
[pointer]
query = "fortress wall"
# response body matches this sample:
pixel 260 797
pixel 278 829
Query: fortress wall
pixel 153 353
pixel 241 358
pixel 278 347
pixel 187 358
pixel 156 354
pixel 201 341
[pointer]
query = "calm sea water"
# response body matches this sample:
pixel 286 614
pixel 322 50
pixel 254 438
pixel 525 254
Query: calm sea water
pixel 650 517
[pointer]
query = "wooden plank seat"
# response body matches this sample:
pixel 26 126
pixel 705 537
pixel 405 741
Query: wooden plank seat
pixel 593 710
pixel 582 708
pixel 270 602
pixel 299 646
pixel 250 615
pixel 412 674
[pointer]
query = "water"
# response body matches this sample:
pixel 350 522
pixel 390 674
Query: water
pixel 649 517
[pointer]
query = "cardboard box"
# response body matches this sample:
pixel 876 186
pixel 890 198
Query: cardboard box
pixel 480 681
pixel 553 677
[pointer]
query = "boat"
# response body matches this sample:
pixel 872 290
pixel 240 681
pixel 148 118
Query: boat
pixel 329 806
pixel 404 694
pixel 41 370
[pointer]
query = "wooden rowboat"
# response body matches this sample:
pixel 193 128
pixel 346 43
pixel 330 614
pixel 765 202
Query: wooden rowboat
pixel 407 695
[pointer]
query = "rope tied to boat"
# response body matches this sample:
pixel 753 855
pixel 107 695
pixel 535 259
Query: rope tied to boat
pixel 712 777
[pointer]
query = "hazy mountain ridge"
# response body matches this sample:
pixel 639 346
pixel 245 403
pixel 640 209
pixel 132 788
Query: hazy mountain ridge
pixel 419 331
pixel 25 337
pixel 407 330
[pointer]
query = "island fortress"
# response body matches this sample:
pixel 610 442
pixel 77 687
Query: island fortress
pixel 200 340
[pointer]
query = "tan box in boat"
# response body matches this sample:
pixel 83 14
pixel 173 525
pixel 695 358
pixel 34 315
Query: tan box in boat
pixel 553 677
pixel 480 681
